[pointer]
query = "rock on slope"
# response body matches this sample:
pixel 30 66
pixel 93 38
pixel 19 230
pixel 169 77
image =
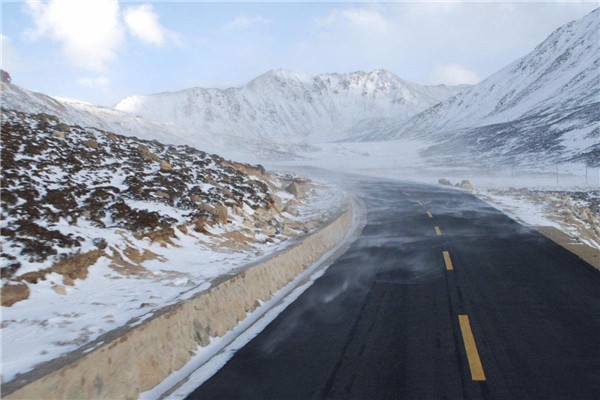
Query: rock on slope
pixel 71 196
pixel 286 106
pixel 542 107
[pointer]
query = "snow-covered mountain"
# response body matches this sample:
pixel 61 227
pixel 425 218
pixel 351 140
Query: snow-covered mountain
pixel 75 112
pixel 545 105
pixel 288 106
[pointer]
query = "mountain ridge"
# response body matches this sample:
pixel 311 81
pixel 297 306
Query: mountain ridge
pixel 543 107
pixel 282 104
pixel 84 114
pixel 549 85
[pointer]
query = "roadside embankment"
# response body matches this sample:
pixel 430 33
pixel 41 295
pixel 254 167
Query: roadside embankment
pixel 586 252
pixel 570 218
pixel 127 361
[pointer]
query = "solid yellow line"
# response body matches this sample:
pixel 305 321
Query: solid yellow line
pixel 471 349
pixel 448 261
pixel 438 231
pixel 430 215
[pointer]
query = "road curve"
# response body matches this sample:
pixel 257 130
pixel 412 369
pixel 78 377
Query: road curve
pixel 479 307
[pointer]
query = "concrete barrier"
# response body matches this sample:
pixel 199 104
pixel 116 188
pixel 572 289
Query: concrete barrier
pixel 127 361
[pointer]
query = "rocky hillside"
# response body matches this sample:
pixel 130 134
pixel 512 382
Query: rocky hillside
pixel 72 196
pixel 286 106
pixel 542 107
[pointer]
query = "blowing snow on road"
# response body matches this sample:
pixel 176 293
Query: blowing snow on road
pixel 487 308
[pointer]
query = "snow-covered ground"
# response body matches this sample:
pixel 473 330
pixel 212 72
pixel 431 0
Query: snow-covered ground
pixel 575 211
pixel 135 271
pixel 47 324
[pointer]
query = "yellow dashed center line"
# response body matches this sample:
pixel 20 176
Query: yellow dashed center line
pixel 430 215
pixel 448 261
pixel 471 349
pixel 438 231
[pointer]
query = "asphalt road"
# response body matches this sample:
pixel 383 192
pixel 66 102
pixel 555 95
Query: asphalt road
pixel 517 316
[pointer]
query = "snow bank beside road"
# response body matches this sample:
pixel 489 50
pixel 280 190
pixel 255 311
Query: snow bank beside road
pixel 575 212
pixel 569 218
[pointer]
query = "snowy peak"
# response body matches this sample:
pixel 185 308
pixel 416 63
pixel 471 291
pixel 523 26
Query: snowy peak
pixel 284 105
pixel 280 75
pixel 563 69
pixel 561 72
pixel 546 104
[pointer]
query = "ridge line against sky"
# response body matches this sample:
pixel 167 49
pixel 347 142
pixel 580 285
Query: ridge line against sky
pixel 103 50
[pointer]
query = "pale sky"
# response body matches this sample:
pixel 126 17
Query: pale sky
pixel 103 50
